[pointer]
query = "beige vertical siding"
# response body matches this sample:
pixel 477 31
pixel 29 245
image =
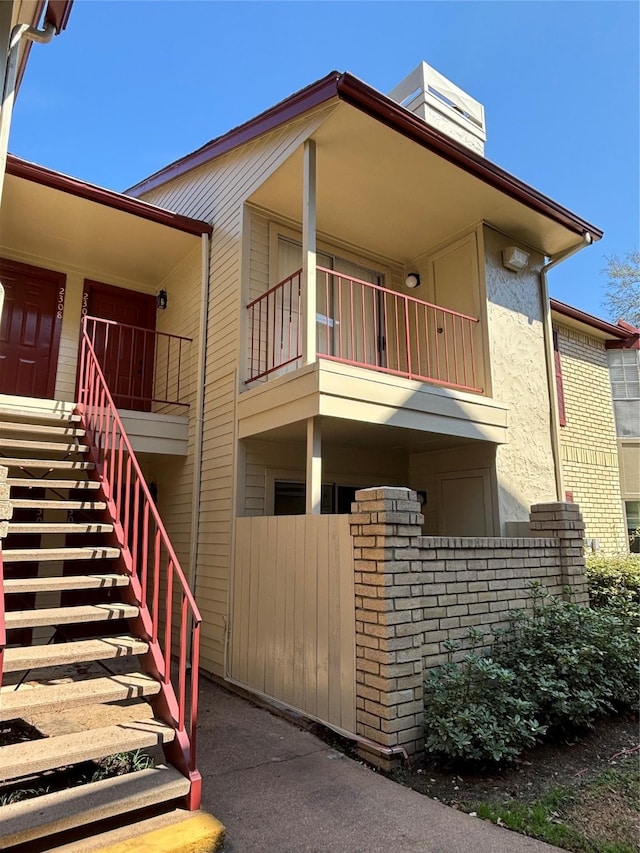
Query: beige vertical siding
pixel 293 625
pixel 174 477
pixel 216 193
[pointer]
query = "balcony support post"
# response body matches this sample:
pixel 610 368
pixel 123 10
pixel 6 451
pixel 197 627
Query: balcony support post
pixel 314 467
pixel 309 254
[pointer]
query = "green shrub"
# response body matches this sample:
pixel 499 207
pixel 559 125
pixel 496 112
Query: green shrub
pixel 554 669
pixel 574 663
pixel 473 711
pixel 613 580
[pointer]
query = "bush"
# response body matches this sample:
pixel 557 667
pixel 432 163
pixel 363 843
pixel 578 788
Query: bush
pixel 554 669
pixel 574 663
pixel 613 580
pixel 474 710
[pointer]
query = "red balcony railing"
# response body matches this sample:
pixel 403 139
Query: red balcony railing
pixel 168 612
pixel 365 325
pixel 142 367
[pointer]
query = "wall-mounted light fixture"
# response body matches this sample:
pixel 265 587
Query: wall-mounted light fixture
pixel 515 259
pixel 161 300
pixel 412 280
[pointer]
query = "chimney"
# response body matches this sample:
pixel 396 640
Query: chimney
pixel 442 105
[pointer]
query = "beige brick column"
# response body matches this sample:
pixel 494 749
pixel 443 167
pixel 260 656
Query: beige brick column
pixel 564 523
pixel 385 523
pixel 6 510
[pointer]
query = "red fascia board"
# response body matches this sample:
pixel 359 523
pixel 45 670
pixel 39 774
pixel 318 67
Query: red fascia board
pixel 620 332
pixel 353 91
pixel 291 108
pixel 57 13
pixel 73 186
pixel 389 112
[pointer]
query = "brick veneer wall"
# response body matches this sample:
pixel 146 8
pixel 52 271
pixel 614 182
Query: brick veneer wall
pixel 414 592
pixel 588 440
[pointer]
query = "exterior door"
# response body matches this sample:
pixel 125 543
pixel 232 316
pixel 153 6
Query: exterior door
pixel 126 351
pixel 30 329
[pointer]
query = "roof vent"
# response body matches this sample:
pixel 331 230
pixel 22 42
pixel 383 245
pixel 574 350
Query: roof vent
pixel 442 105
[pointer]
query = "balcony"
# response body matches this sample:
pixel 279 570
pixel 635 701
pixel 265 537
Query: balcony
pixel 147 374
pixel 363 325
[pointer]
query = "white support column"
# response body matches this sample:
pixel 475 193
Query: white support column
pixel 314 467
pixel 309 254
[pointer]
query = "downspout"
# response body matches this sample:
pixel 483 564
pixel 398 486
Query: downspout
pixel 199 414
pixel 19 32
pixel 550 361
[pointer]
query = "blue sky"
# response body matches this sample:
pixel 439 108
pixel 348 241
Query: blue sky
pixel 131 86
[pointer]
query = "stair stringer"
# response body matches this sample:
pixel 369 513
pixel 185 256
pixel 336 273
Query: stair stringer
pixel 164 703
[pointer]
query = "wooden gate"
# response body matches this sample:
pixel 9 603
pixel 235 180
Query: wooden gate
pixel 293 614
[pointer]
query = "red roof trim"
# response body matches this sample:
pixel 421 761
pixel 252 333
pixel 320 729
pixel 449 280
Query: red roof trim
pixel 73 186
pixel 353 91
pixel 57 13
pixel 625 336
pixel 293 107
pixel 620 331
pixel 384 109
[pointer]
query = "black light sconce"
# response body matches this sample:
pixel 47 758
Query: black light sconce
pixel 412 280
pixel 161 300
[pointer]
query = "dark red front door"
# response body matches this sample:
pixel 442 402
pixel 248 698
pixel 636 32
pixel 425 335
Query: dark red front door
pixel 126 354
pixel 30 329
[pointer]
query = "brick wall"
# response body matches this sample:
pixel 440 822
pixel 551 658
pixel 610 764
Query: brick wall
pixel 414 592
pixel 588 441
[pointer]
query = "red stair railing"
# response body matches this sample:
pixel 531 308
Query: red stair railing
pixel 169 615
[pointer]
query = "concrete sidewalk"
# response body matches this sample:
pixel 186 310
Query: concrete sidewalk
pixel 278 789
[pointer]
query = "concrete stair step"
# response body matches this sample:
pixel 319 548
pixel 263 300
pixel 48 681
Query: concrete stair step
pixel 38 447
pixel 44 483
pixel 23 408
pixel 59 654
pixel 38 429
pixel 35 503
pixel 92 691
pixel 52 527
pixel 53 813
pixel 41 555
pixel 59 583
pixel 69 615
pixel 36 756
pixel 14 462
pixel 167 832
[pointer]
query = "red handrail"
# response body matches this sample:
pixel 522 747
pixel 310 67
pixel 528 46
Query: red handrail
pixel 150 560
pixel 142 366
pixel 365 325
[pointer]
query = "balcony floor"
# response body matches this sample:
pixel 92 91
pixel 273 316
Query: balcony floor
pixel 343 392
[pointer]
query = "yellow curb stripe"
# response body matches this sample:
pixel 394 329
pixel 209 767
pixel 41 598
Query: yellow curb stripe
pixel 199 834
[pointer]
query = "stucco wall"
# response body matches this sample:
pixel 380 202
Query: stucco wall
pixel 588 440
pixel 524 466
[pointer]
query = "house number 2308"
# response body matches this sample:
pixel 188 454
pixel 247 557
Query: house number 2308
pixel 60 305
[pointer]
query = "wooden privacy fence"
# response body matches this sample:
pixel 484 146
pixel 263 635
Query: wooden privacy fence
pixel 293 616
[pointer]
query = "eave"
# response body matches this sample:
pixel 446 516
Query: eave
pixel 347 88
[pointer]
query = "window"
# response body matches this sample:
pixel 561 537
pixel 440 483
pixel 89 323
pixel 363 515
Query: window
pixel 290 498
pixel 632 510
pixel 624 372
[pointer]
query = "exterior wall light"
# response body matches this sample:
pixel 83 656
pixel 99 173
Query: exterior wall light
pixel 161 300
pixel 514 259
pixel 412 280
